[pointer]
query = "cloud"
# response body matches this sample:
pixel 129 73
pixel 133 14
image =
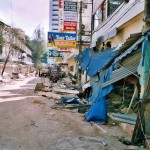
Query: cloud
pixel 25 14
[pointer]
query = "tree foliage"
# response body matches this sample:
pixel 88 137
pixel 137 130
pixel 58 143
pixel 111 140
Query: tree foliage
pixel 38 44
pixel 6 39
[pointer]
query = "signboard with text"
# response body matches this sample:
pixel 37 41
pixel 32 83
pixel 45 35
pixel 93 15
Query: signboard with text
pixel 54 53
pixel 61 40
pixel 70 6
pixel 64 49
pixel 70 16
pixel 60 18
pixel 70 25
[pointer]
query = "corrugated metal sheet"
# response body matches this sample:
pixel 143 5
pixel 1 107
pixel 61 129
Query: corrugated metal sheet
pixel 93 61
pixel 129 66
pixel 128 45
pixel 128 42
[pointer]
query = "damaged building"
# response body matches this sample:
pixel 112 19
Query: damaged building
pixel 117 63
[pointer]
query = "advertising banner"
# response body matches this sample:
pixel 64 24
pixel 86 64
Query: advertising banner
pixel 60 3
pixel 60 18
pixel 64 49
pixel 70 25
pixel 61 40
pixel 70 16
pixel 70 6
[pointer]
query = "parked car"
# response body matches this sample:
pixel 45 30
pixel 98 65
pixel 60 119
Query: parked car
pixel 44 73
pixel 55 74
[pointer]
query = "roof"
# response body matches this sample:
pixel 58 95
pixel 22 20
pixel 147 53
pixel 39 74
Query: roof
pixel 127 47
pixel 93 61
pixel 133 47
pixel 131 62
pixel 126 68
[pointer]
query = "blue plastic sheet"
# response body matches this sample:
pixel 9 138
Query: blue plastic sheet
pixel 72 100
pixel 93 61
pixel 98 112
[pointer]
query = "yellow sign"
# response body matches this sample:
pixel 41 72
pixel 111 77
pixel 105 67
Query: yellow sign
pixel 58 59
pixel 63 43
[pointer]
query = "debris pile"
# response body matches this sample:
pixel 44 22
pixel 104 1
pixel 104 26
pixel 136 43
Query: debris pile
pixel 65 94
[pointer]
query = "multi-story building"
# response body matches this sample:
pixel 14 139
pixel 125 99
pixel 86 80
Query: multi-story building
pixel 120 54
pixel 14 48
pixel 84 14
pixel 54 26
pixel 53 15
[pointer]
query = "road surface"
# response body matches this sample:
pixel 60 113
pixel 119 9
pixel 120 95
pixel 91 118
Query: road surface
pixel 27 122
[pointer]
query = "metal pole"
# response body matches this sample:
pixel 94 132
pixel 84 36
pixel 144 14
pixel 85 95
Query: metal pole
pixel 92 21
pixel 80 44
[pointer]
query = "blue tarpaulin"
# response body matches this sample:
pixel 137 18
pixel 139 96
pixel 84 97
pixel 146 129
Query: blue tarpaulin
pixel 72 100
pixel 98 112
pixel 93 61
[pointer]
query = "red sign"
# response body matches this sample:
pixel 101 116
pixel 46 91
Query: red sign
pixel 70 25
pixel 64 49
pixel 60 3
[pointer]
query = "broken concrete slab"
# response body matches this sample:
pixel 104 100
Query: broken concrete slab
pixel 46 89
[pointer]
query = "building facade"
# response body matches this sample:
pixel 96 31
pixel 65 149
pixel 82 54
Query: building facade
pixel 53 15
pixel 115 20
pixel 14 48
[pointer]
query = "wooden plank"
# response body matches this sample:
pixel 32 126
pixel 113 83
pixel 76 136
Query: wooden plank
pixel 59 90
pixel 50 95
pixel 139 130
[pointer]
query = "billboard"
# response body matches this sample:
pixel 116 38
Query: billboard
pixel 70 6
pixel 70 25
pixel 70 16
pixel 61 40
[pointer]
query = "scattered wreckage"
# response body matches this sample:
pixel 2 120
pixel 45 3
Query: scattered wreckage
pixel 65 94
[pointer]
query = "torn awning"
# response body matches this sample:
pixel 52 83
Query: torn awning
pixel 94 61
pixel 127 68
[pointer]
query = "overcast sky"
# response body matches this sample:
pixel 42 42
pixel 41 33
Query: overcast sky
pixel 25 14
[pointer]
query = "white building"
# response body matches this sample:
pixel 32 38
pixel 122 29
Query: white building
pixel 13 47
pixel 53 15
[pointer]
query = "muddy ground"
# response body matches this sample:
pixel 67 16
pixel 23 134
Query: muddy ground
pixel 27 122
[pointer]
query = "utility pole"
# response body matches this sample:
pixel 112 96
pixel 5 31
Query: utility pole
pixel 80 44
